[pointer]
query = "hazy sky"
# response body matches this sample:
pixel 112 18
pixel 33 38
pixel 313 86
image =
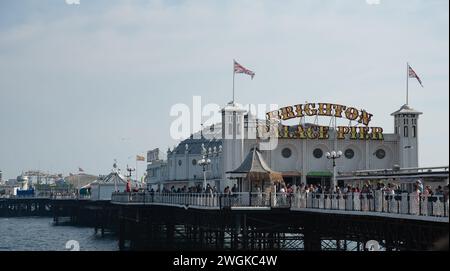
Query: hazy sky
pixel 83 84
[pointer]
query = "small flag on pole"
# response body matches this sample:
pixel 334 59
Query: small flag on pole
pixel 413 74
pixel 238 68
pixel 140 158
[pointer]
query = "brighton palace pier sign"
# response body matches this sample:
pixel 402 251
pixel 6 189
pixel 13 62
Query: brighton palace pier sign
pixel 360 132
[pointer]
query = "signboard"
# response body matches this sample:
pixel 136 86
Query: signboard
pixel 361 131
pixel 153 155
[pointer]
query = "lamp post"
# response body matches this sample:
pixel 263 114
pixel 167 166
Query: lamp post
pixel 116 172
pixel 204 163
pixel 130 173
pixel 334 155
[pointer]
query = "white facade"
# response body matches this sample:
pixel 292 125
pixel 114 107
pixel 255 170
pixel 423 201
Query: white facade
pixel 234 141
pixel 102 189
pixel 299 160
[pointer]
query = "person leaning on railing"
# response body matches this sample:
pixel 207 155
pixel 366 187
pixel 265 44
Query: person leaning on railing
pixel 226 191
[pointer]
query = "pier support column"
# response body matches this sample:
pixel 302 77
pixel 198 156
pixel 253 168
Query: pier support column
pixel 338 245
pixel 311 238
pixel 235 232
pixel 245 232
pixel 170 235
pixel 122 233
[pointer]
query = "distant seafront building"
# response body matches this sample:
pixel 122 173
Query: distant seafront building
pixel 181 166
pixel 300 154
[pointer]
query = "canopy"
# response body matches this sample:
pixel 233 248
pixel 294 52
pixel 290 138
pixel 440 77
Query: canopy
pixel 256 169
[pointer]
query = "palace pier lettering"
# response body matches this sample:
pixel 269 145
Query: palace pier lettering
pixel 358 132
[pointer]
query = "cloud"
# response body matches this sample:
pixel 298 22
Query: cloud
pixel 373 2
pixel 73 2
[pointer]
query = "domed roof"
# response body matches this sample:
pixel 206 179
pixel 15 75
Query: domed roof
pixel 195 145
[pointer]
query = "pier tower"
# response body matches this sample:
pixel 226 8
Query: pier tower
pixel 233 138
pixel 406 126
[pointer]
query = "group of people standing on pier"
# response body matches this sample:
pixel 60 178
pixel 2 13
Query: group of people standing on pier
pixel 367 189
pixel 389 189
pixel 195 189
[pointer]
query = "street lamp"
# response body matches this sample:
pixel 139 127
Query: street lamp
pixel 204 163
pixel 334 155
pixel 116 172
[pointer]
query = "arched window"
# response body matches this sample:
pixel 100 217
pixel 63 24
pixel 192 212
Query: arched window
pixel 405 131
pixel 414 132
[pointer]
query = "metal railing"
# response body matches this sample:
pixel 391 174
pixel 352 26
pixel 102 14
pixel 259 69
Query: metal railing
pixel 187 199
pixel 377 202
pixel 47 195
pixel 70 196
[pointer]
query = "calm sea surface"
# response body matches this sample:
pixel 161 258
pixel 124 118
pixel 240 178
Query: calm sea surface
pixel 39 234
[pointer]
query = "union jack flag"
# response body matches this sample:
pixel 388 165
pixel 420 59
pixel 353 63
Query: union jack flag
pixel 413 74
pixel 238 68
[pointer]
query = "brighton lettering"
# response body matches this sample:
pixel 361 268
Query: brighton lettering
pixel 321 109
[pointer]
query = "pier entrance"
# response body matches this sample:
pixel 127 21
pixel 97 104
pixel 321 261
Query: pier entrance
pixel 292 178
pixel 322 178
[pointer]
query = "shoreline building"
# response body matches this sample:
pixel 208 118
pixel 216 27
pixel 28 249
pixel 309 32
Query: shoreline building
pixel 298 151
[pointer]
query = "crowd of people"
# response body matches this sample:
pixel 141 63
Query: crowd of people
pixel 366 188
pixel 196 189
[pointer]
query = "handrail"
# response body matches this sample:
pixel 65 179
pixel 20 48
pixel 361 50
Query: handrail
pixel 399 171
pixel 48 196
pixel 376 202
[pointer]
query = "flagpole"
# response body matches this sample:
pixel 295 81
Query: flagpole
pixel 407 83
pixel 234 73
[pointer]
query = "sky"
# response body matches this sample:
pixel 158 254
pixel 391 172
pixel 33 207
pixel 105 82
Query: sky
pixel 84 84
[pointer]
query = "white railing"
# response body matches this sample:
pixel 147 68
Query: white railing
pixel 407 204
pixel 200 199
pixel 379 202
